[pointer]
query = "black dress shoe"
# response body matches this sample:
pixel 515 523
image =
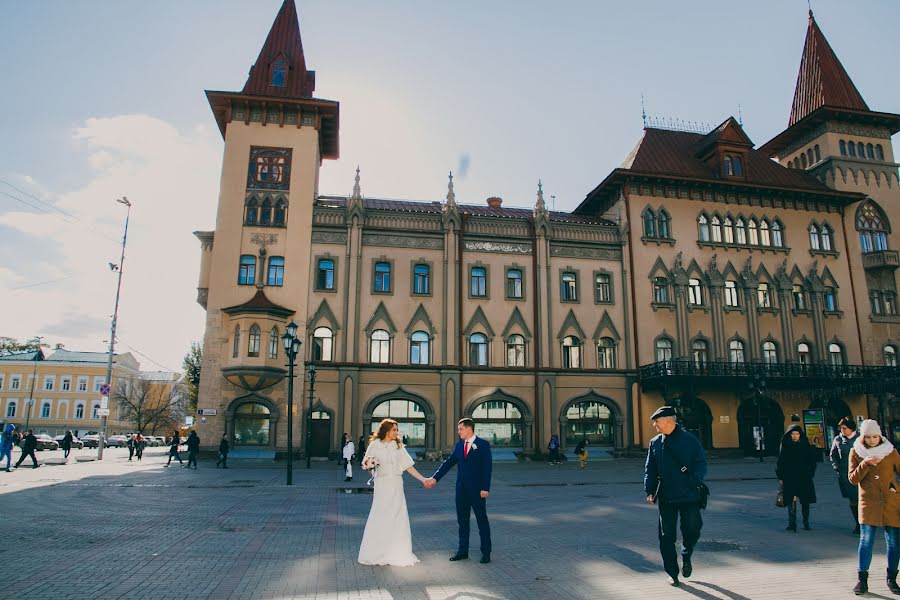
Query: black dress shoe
pixel 686 567
pixel 459 556
pixel 485 559
pixel 673 581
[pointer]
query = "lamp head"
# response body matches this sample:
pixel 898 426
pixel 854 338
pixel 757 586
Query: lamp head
pixel 295 347
pixel 292 329
pixel 286 341
pixel 123 200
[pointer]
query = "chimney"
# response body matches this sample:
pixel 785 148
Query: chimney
pixel 59 347
pixel 494 202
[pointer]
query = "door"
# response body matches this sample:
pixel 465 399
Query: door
pixel 319 438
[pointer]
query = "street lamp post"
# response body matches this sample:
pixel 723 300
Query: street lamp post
pixel 291 347
pixel 758 387
pixel 312 385
pixel 33 380
pixel 112 330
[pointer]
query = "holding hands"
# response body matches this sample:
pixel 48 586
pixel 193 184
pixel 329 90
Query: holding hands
pixel 429 482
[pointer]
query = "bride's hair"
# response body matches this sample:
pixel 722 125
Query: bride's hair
pixel 383 429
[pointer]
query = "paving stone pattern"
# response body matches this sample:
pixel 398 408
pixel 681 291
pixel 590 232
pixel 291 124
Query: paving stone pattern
pixel 119 529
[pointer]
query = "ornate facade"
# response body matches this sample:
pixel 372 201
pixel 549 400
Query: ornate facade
pixel 696 269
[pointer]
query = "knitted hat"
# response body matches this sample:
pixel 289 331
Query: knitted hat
pixel 869 427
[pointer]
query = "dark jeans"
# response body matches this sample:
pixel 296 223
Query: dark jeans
pixel 173 453
pixel 554 454
pixel 66 452
pixel 691 524
pixel 223 459
pixel 192 459
pixel 130 452
pixel 139 451
pixel 466 503
pixel 24 454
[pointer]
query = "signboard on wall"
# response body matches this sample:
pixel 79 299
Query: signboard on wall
pixel 814 426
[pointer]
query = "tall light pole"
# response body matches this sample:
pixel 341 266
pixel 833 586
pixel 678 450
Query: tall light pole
pixel 312 385
pixel 291 347
pixel 112 329
pixel 33 380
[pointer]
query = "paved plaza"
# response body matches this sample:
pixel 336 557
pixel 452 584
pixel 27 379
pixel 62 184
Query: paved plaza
pixel 120 529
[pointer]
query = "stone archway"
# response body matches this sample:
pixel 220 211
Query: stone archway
pixel 412 412
pixel 769 416
pixel 252 420
pixel 695 416
pixel 503 420
pixel 594 417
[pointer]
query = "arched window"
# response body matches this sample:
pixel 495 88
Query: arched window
pixel 803 160
pixel 591 421
pixel 660 290
pixel 10 409
pixel 826 237
pixel 803 354
pixel 731 294
pixel 809 156
pixel 861 149
pixel 763 295
pixel 799 296
pixel 253 341
pixel 700 352
pixel 695 292
pixel 569 287
pixel 382 277
pixel 703 226
pixel 818 154
pixel 274 340
pixel 796 163
pixel 873 228
pixel 410 417
pixel 252 215
pixel 247 270
pixel 279 72
pixel 753 235
pixel 323 344
pixel 380 347
pixel 738 166
pixel 418 348
pixel 571 352
pixel 265 212
pixel 835 354
pixel 728 230
pixel 870 151
pixel 843 146
pixel 740 231
pixel 729 170
pixel 770 353
pixel 236 343
pixel 603 287
pixel 478 350
pixel 890 356
pixel 45 410
pixel 478 278
pixel 764 238
pixel 830 298
pixel 814 236
pixel 275 277
pixel 95 411
pixel 716 228
pixel 515 351
pixel 649 223
pixel 280 211
pixel 514 283
pixel 777 234
pixel 736 351
pixel 879 152
pixel 79 411
pixel 606 353
pixel 251 425
pixel 663 221
pixel 421 279
pixel 325 274
pixel 663 349
pixel 851 148
pixel 500 422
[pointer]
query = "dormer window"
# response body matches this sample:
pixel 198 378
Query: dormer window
pixel 279 72
pixel 734 166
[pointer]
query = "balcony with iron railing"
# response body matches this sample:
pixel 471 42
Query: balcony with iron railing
pixel 726 375
pixel 881 259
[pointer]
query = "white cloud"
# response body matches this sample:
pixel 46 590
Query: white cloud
pixel 171 179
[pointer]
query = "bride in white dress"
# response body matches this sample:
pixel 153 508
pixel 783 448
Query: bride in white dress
pixel 387 539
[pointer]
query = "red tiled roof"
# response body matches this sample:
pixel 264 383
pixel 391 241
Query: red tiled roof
pixel 283 41
pixel 822 80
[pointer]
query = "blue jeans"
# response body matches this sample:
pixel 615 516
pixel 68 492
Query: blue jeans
pixel 867 541
pixel 7 452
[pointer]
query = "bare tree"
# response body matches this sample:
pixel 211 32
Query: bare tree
pixel 152 405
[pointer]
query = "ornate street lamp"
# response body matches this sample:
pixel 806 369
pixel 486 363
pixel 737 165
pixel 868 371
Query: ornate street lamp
pixel 758 386
pixel 312 385
pixel 291 348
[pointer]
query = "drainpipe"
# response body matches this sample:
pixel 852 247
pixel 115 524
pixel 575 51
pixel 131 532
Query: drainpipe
pixel 637 337
pixel 538 413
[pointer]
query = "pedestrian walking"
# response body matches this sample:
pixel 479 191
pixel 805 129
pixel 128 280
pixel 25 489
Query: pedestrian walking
pixel 673 480
pixel 553 447
pixel 344 441
pixel 173 449
pixel 840 462
pixel 361 448
pixel 582 453
pixel 6 444
pixel 348 454
pixel 223 452
pixel 66 445
pixel 139 444
pixel 29 445
pixel 193 446
pixel 795 470
pixel 130 444
pixel 875 468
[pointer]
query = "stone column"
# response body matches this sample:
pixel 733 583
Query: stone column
pixel 718 319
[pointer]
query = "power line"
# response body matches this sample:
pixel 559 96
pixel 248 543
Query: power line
pixel 31 285
pixel 158 364
pixel 33 197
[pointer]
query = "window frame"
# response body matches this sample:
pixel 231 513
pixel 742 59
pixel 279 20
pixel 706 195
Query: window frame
pixel 246 270
pixel 376 276
pixel 518 347
pixel 275 272
pixel 417 344
pixel 416 277
pixel 321 275
pixel 485 292
pixel 508 280
pixel 479 350
pixel 571 352
pixel 383 349
pixel 568 291
pixel 254 338
pixel 608 286
pixel 317 351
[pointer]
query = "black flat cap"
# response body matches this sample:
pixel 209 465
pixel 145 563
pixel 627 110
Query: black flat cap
pixel 663 411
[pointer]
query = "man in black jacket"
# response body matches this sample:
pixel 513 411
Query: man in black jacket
pixel 193 446
pixel 29 445
pixel 675 466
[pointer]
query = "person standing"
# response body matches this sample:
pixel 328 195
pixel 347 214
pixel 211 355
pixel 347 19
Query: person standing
pixel 675 468
pixel 6 444
pixel 193 446
pixel 795 470
pixel 130 444
pixel 840 462
pixel 875 468
pixel 173 448
pixel 553 447
pixel 29 445
pixel 581 452
pixel 348 451
pixel 361 448
pixel 66 445
pixel 223 452
pixel 139 444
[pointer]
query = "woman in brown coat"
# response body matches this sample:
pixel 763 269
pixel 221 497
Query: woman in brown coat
pixel 875 468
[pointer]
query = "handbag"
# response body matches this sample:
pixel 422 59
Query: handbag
pixel 779 497
pixel 700 487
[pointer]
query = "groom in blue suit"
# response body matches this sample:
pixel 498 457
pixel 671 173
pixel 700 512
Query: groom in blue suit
pixel 473 486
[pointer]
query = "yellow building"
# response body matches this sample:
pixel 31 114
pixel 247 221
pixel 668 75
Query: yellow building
pixel 699 250
pixel 63 390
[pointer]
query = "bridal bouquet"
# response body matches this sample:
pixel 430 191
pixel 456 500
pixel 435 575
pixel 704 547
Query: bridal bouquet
pixel 370 464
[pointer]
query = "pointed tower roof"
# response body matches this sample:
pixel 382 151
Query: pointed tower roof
pixel 822 80
pixel 282 44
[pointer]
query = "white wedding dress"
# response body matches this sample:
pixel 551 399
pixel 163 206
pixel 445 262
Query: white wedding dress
pixel 387 539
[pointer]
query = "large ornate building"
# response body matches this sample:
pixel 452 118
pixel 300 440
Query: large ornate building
pixel 701 272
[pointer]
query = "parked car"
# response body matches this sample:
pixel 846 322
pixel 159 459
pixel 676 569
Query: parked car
pixel 154 440
pixel 92 440
pixel 76 443
pixel 45 442
pixel 116 441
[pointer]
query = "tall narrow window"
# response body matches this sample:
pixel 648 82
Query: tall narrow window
pixel 879 152
pixel 728 230
pixel 45 410
pixel 323 341
pixel 729 169
pixel 770 353
pixel 809 157
pixel 861 149
pixel 875 302
pixel 478 350
pixel 421 279
pixel 777 234
pixel 799 297
pixel 79 411
pixel 764 238
pixel 649 223
pixel 236 342
pixel 663 350
pixel 418 348
pixel 738 166
pixel 325 274
pixel 279 72
pixel 695 292
pixel 478 276
pixel 851 148
pixel 569 287
pixel 736 351
pixel 280 212
pixel 825 235
pixel 571 350
pixel 890 302
pixel 10 409
pixel 252 214
pixel 382 277
pixel 803 353
pixel 803 160
pixel 274 339
pixel 265 212
pixel 514 283
pixel 818 153
pixel 740 231
pixel 663 222
pixel 835 355
pixel 830 297
pixel 602 288
pixel 872 228
pixel 515 351
pixel 753 235
pixel 870 151
pixel 253 342
pixel 247 270
pixel 703 226
pixel 380 351
pixel 843 146
pixel 275 276
pixel 660 290
pixel 763 295
pixel 606 353
pixel 731 295
pixel 814 236
pixel 716 228
pixel 700 352
pixel 890 356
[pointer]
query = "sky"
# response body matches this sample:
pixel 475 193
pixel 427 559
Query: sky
pixel 101 99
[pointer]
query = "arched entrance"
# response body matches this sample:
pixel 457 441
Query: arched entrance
pixel 501 419
pixel 253 425
pixel 412 413
pixel 590 417
pixel 320 433
pixel 695 416
pixel 767 414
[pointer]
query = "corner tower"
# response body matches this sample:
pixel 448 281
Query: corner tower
pixel 255 264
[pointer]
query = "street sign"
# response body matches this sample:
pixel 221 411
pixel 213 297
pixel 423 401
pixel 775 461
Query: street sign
pixel 104 389
pixel 102 412
pixel 189 421
pixel 209 412
pixel 203 419
pixel 104 402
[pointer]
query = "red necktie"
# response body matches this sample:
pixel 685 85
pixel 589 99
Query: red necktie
pixel 466 450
